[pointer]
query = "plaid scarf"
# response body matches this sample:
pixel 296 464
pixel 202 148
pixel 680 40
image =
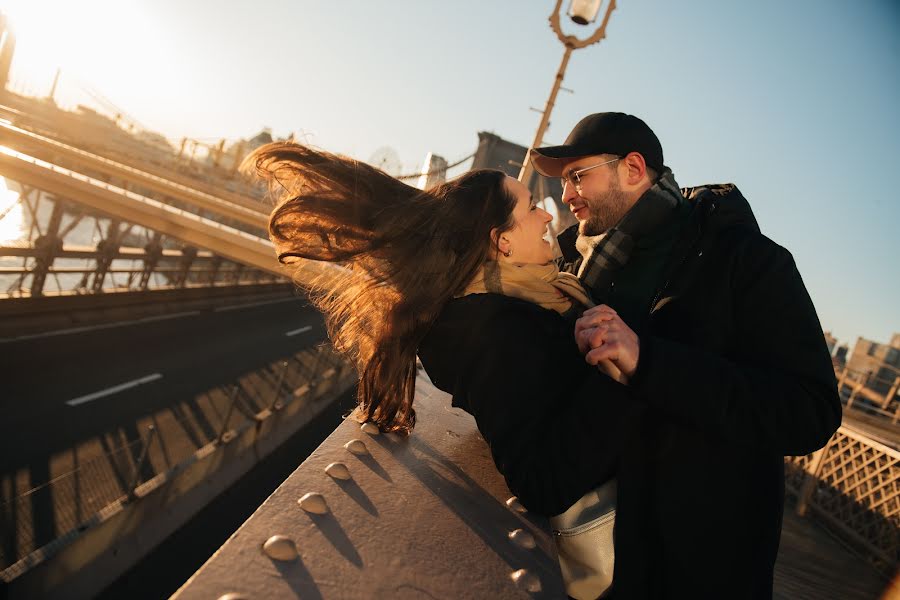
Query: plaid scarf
pixel 606 253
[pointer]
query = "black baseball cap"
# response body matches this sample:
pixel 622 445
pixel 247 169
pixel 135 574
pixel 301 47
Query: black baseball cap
pixel 601 133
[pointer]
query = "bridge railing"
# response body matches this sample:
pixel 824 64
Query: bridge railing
pixel 376 515
pixel 86 269
pixel 853 485
pixel 870 392
pixel 84 482
pixel 430 516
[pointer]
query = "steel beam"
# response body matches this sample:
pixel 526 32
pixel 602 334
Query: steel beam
pixel 225 241
pixel 235 207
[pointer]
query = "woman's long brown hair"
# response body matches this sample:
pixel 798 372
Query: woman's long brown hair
pixel 407 252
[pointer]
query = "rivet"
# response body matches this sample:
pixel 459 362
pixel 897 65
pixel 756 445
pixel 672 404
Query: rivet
pixel 280 547
pixel 314 503
pixel 356 447
pixel 524 579
pixel 338 471
pixel 522 538
pixel 514 504
pixel 370 428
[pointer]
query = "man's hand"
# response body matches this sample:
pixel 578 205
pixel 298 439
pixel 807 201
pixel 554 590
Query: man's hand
pixel 602 335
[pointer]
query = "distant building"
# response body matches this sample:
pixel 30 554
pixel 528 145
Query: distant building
pixel 839 358
pixel 231 157
pixel 496 153
pixel 830 341
pixel 434 171
pixel 881 362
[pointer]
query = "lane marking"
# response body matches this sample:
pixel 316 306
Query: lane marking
pixel 296 331
pixel 252 304
pixel 71 330
pixel 114 389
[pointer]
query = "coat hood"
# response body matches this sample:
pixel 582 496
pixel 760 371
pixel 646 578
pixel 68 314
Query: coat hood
pixel 722 205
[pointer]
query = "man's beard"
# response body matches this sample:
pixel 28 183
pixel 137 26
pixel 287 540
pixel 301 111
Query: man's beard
pixel 605 211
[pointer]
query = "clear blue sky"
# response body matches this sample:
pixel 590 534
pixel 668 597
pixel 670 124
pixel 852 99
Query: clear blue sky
pixel 795 102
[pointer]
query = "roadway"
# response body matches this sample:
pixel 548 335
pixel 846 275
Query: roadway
pixel 61 389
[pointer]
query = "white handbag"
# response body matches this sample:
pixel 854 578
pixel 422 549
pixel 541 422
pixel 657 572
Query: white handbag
pixel 584 541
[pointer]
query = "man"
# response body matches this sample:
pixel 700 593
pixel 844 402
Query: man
pixel 712 324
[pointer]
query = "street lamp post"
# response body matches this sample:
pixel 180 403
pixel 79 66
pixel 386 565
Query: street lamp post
pixel 582 12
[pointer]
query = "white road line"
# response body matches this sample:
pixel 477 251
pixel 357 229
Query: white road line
pixel 113 390
pixel 296 331
pixel 72 330
pixel 252 304
pixel 167 317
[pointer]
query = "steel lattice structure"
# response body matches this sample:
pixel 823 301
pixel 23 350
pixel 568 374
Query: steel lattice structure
pixel 853 484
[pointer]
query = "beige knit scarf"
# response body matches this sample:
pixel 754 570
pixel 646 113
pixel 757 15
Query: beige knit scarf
pixel 543 285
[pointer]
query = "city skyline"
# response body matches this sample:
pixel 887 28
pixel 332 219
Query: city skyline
pixel 793 103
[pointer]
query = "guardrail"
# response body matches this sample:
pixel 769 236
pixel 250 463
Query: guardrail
pixel 385 516
pixel 371 515
pixel 853 485
pixel 76 500
pixel 864 389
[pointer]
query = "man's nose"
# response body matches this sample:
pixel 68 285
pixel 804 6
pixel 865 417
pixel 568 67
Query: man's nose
pixel 569 193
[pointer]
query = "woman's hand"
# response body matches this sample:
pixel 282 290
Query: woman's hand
pixel 602 335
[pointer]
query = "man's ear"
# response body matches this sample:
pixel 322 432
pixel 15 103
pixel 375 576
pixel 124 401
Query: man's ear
pixel 635 168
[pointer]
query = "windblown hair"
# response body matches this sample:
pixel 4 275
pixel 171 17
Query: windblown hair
pixel 406 253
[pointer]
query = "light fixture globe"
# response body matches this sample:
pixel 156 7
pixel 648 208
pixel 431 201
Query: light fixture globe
pixel 583 12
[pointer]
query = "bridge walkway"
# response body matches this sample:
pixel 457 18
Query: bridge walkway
pixel 427 517
pixel 814 564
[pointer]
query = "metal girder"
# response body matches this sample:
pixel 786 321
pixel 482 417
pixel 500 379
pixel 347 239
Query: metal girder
pixel 235 207
pixel 90 252
pixel 48 246
pixel 49 128
pixel 226 241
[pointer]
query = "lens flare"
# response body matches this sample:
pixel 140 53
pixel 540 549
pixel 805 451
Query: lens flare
pixel 12 217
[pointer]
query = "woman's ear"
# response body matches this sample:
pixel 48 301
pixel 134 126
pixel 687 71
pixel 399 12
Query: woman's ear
pixel 499 242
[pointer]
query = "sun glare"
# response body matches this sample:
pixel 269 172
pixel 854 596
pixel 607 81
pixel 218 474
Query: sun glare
pixel 12 218
pixel 84 39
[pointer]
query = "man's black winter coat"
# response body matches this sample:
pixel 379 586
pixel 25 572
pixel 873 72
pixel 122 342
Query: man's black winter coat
pixel 733 375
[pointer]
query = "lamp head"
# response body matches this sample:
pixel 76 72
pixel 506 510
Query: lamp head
pixel 584 11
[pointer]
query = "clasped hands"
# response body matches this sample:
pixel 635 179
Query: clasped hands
pixel 608 343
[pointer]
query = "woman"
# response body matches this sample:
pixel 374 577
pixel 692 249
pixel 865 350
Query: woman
pixel 463 276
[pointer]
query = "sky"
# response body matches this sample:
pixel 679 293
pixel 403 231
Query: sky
pixel 795 102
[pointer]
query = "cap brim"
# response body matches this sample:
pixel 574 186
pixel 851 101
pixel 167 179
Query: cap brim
pixel 551 161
